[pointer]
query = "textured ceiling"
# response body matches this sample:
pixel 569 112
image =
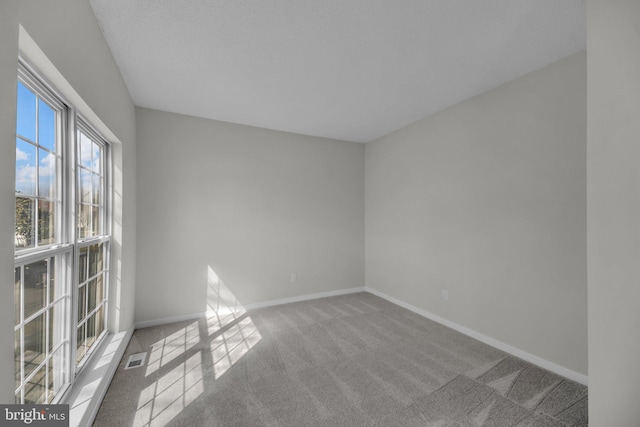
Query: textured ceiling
pixel 347 69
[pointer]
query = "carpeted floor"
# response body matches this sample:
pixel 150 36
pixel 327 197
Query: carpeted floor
pixel 353 360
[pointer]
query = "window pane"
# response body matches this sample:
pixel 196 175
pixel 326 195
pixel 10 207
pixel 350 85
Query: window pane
pixel 34 390
pixel 95 259
pixel 97 190
pixel 46 126
pixel 50 363
pixel 54 292
pixel 83 264
pixel 26 115
pixel 47 174
pixel 86 186
pixel 91 295
pixel 95 221
pixel 46 222
pixel 86 151
pixel 56 325
pixel 25 168
pixel 35 287
pixel 34 344
pixel 16 352
pixel 100 288
pixel 91 331
pixel 25 209
pixel 100 321
pixel 84 221
pixel 82 302
pixel 56 372
pixel 97 159
pixel 81 349
pixel 17 294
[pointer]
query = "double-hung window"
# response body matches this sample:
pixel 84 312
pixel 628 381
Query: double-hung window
pixel 93 240
pixel 42 265
pixel 61 242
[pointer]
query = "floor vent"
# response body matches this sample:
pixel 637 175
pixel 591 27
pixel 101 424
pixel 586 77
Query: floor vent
pixel 136 360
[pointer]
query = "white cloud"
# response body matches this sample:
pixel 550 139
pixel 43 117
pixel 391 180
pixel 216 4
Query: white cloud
pixel 85 150
pixel 26 179
pixel 21 155
pixel 26 174
pixel 48 165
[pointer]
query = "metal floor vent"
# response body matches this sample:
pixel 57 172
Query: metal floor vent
pixel 136 360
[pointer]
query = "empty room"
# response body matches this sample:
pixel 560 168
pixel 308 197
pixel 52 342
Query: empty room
pixel 309 213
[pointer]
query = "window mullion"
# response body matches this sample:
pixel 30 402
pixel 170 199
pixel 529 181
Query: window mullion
pixel 36 207
pixel 37 200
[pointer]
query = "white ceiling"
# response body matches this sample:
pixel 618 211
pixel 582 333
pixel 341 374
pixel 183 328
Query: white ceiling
pixel 354 70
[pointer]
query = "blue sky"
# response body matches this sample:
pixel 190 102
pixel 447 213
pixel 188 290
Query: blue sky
pixel 34 114
pixel 36 124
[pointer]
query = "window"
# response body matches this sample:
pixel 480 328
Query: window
pixel 91 182
pixel 41 333
pixel 93 244
pixel 38 178
pixel 61 242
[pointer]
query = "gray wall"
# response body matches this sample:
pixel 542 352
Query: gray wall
pixel 487 200
pixel 249 204
pixel 614 212
pixel 68 34
pixel 8 67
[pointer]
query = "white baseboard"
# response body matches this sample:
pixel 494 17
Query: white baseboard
pixel 543 363
pixel 168 320
pixel 536 360
pixel 253 306
pixel 304 298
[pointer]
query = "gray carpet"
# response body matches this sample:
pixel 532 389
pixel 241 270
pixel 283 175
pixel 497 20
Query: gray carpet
pixel 353 360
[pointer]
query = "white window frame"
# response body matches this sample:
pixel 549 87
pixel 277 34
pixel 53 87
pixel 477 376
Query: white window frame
pixel 63 270
pixel 67 242
pixel 29 79
pixel 104 238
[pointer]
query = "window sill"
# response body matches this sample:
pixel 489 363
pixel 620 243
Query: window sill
pixel 91 385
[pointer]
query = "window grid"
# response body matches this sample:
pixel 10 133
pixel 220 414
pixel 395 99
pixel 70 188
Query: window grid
pixel 49 353
pixel 32 367
pixel 91 182
pixel 91 316
pixel 38 205
pixel 93 247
